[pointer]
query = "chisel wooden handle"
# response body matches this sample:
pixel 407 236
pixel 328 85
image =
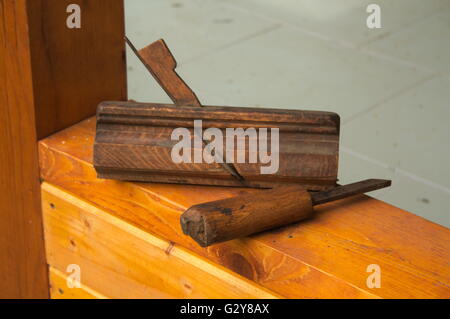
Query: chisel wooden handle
pixel 244 215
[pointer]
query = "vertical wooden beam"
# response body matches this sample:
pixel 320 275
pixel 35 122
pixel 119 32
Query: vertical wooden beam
pixel 23 272
pixel 50 77
pixel 75 69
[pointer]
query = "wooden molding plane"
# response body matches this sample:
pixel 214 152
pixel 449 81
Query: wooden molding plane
pixel 324 257
pixel 134 142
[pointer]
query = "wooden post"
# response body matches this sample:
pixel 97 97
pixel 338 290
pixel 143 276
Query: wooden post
pixel 51 77
pixel 75 69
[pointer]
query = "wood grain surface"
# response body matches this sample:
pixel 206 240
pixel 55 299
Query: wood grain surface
pixel 160 62
pixel 60 290
pixel 51 77
pixel 214 222
pixel 134 143
pixel 79 233
pixel 23 270
pixel 75 69
pixel 240 216
pixel 323 257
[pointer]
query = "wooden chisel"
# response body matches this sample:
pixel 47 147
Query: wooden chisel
pixel 240 216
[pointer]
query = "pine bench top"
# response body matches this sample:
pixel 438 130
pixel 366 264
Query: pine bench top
pixel 325 257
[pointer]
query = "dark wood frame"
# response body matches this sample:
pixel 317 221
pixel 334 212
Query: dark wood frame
pixel 51 77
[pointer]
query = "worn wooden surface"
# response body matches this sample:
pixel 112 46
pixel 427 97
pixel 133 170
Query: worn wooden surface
pixel 60 290
pixel 160 62
pixel 79 233
pixel 23 271
pixel 324 257
pixel 133 142
pixel 240 216
pixel 75 69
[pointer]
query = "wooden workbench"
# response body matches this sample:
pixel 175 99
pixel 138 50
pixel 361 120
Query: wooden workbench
pixel 127 240
pixel 125 236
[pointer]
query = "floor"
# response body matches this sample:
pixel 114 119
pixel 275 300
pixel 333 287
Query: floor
pixel 391 85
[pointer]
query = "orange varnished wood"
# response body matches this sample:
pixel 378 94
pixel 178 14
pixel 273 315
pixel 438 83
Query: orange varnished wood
pixel 50 77
pixel 23 270
pixel 75 69
pixel 60 290
pixel 119 260
pixel 323 257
